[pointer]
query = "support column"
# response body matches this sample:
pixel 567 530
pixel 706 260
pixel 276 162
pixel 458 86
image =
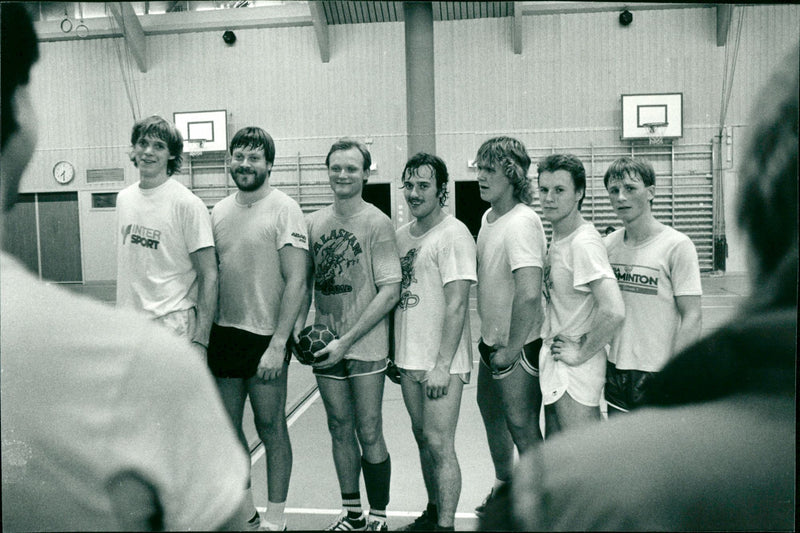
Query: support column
pixel 420 95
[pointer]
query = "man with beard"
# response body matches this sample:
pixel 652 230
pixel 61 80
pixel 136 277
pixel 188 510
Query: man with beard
pixel 262 248
pixel 165 248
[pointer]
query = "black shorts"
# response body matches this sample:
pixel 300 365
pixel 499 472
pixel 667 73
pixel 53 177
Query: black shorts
pixel 530 355
pixel 625 389
pixel 235 353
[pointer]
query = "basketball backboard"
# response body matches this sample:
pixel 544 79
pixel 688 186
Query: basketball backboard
pixel 203 131
pixel 640 111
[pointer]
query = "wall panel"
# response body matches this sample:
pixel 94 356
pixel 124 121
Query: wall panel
pixel 271 77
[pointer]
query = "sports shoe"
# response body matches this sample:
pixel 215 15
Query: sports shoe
pixel 481 509
pixel 345 523
pixel 269 526
pixel 254 524
pixel 377 525
pixel 424 522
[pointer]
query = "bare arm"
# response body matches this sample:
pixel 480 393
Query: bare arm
pixel 294 263
pixel 456 296
pixel 691 326
pixel 204 262
pixel 302 315
pixel 526 314
pixel 606 322
pixel 382 303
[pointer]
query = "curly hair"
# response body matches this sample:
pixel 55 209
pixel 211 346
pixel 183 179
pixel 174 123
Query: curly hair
pixel 439 170
pixel 513 158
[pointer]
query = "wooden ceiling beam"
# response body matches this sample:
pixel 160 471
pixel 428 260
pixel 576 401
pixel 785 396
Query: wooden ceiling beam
pixel 320 23
pixel 132 31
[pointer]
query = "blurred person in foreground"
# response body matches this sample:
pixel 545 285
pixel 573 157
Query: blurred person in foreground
pixel 716 450
pixel 109 422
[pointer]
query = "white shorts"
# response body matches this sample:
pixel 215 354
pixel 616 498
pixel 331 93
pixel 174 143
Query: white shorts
pixel 181 322
pixel 584 382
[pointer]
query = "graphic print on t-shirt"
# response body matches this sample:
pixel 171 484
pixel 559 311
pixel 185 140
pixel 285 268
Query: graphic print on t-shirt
pixel 335 253
pixel 407 298
pixel 141 235
pixel 547 283
pixel 636 278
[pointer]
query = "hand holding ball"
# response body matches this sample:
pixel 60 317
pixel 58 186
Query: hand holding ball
pixel 312 339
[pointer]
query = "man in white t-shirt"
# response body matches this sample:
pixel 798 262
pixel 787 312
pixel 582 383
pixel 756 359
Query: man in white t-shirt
pixel 261 242
pixel 511 250
pixel 659 276
pixel 109 423
pixel 433 350
pixel 584 305
pixel 356 284
pixel 166 266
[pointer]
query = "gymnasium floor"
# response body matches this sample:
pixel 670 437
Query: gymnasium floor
pixel 313 501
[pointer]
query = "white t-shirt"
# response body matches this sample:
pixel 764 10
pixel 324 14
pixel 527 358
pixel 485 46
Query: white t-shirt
pixel 572 263
pixel 89 392
pixel 650 276
pixel 353 256
pixel 157 229
pixel 515 240
pixel 445 253
pixel 247 240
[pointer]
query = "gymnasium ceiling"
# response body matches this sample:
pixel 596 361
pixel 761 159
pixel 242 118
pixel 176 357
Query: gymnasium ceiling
pixel 56 21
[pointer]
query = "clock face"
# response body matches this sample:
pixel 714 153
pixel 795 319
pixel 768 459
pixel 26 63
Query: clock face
pixel 63 172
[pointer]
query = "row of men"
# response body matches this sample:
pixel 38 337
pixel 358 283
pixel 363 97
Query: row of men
pixel 109 422
pixel 235 284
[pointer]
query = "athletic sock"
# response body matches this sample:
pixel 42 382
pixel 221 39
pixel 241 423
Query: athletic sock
pixel 351 502
pixel 377 479
pixel 275 512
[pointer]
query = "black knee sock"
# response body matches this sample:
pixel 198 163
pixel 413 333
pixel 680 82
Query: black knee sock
pixel 433 512
pixel 377 478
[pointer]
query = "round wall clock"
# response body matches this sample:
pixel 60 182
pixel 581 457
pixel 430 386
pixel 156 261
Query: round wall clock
pixel 63 172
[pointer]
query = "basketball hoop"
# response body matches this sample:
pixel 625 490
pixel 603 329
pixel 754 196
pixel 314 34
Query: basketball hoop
pixel 655 131
pixel 195 147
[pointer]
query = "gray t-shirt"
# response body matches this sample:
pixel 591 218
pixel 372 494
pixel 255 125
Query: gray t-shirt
pixel 353 256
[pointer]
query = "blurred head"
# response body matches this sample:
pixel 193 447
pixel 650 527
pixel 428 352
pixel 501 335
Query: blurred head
pixel 155 128
pixel 252 152
pixel 570 164
pixel 767 209
pixel 507 157
pixel 348 163
pixel 20 51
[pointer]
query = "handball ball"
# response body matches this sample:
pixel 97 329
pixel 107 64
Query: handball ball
pixel 312 339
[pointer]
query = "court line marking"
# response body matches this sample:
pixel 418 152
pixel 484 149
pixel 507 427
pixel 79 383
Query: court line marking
pixel 258 453
pixel 336 512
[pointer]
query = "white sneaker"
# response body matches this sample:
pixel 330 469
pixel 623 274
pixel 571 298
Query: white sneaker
pixel 269 526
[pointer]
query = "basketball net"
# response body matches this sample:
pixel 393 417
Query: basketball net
pixel 656 132
pixel 195 148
